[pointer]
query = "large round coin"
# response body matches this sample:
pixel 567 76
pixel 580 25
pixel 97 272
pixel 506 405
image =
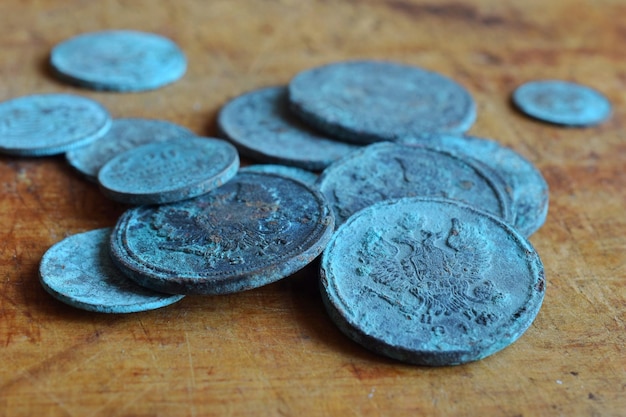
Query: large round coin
pixel 164 172
pixel 524 181
pixel 125 134
pixel 254 230
pixel 370 101
pixel 383 171
pixel 78 271
pixel 562 102
pixel 119 60
pixel 431 281
pixel 260 124
pixel 49 124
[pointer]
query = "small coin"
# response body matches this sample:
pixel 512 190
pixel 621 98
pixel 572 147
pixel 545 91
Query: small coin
pixel 125 134
pixel 383 171
pixel 562 102
pixel 299 174
pixel 78 271
pixel 256 229
pixel 119 60
pixel 164 172
pixel 260 124
pixel 526 184
pixel 431 281
pixel 49 124
pixel 370 101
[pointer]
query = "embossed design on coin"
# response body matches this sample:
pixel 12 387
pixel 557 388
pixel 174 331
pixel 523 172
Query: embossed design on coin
pixel 125 134
pixel 119 60
pixel 526 184
pixel 371 101
pixel 164 172
pixel 49 124
pixel 254 230
pixel 431 281
pixel 562 102
pixel 90 281
pixel 390 170
pixel 260 124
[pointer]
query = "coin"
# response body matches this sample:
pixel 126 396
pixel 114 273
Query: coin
pixel 78 271
pixel 164 172
pixel 527 186
pixel 370 101
pixel 260 124
pixel 391 170
pixel 119 60
pixel 49 124
pixel 255 229
pixel 125 134
pixel 431 281
pixel 562 102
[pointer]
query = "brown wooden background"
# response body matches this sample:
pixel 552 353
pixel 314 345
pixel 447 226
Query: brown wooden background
pixel 273 351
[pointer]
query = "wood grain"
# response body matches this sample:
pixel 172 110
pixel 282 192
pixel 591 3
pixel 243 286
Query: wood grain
pixel 273 351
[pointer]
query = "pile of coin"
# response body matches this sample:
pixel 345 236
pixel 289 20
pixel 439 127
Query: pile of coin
pixel 422 230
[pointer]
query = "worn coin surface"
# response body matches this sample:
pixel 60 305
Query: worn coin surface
pixel 165 172
pixel 256 229
pixel 119 60
pixel 125 134
pixel 431 281
pixel 524 181
pixel 562 102
pixel 388 170
pixel 49 124
pixel 299 174
pixel 260 124
pixel 370 101
pixel 78 271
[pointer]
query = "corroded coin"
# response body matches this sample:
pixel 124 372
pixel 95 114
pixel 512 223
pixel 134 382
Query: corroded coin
pixel 431 281
pixel 49 124
pixel 388 170
pixel 260 124
pixel 254 230
pixel 370 101
pixel 125 134
pixel 119 60
pixel 164 172
pixel 299 174
pixel 562 102
pixel 78 271
pixel 524 181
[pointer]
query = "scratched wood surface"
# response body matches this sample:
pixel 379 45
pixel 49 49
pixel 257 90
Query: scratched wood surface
pixel 273 351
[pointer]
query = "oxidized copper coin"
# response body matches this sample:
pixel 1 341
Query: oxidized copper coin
pixel 371 101
pixel 388 170
pixel 431 281
pixel 254 230
pixel 79 272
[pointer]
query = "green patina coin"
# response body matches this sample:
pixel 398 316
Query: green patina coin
pixel 50 124
pixel 260 124
pixel 79 272
pixel 371 101
pixel 431 281
pixel 528 188
pixel 125 134
pixel 388 170
pixel 562 102
pixel 119 60
pixel 256 229
pixel 164 172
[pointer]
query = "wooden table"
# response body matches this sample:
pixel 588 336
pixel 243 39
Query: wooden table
pixel 273 351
